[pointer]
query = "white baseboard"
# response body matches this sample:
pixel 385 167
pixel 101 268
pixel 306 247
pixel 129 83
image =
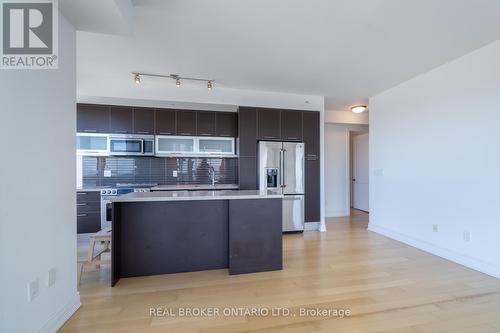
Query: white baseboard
pixel 60 317
pixel 338 214
pixel 458 258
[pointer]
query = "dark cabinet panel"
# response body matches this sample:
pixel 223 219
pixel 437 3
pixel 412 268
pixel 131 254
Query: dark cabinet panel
pixel 205 123
pixel 248 173
pixel 247 131
pixel 88 222
pixel 88 208
pixel 120 119
pixel 144 121
pixel 291 125
pixel 165 123
pixel 310 125
pixel 269 124
pixel 92 118
pixel 312 193
pixel 186 122
pixel 225 124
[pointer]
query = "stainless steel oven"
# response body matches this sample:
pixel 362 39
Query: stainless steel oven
pixel 131 144
pixel 106 202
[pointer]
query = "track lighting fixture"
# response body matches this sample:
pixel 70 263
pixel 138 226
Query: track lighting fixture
pixel 176 77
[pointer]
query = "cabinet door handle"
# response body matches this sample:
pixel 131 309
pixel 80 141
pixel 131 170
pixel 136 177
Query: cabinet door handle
pixel 185 133
pixel 81 204
pixel 81 215
pixel 224 135
pixel 90 130
pixel 206 134
pixel 165 133
pixel 81 193
pixel 142 132
pixel 270 137
pixel 121 132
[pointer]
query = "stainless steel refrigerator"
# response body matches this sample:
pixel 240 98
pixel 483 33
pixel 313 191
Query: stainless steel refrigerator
pixel 281 168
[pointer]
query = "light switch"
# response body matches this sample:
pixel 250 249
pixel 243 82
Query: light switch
pixel 174 173
pixel 107 173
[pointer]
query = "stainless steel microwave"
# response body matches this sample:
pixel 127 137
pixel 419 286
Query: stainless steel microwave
pixel 130 144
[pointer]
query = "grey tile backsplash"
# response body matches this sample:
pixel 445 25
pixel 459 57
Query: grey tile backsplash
pixel 109 171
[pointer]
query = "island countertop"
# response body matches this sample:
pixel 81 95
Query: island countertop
pixel 197 195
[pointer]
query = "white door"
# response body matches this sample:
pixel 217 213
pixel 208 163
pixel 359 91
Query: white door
pixel 360 175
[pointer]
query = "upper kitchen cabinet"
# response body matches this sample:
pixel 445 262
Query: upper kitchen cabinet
pixel 92 118
pixel 269 124
pixel 205 123
pixel 144 121
pixel 120 119
pixel 186 122
pixel 310 126
pixel 247 132
pixel 225 124
pixel 165 123
pixel 291 125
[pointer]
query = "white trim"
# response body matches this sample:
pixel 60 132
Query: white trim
pixel 322 167
pixel 60 317
pixel 347 208
pixel 458 258
pixel 338 213
pixel 312 226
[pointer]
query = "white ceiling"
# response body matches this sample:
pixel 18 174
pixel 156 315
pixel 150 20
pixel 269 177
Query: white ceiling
pixel 346 50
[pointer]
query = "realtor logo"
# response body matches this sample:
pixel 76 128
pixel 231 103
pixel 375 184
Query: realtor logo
pixel 29 34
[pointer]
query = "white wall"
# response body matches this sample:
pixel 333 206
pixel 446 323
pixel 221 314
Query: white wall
pixel 337 164
pixel 346 117
pixel 37 192
pixel 435 159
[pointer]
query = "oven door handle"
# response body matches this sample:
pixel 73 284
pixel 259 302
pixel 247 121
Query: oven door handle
pixel 143 146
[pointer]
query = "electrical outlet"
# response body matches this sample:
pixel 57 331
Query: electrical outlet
pixel 107 173
pixel 174 173
pixel 33 290
pixel 467 236
pixel 435 228
pixel 51 277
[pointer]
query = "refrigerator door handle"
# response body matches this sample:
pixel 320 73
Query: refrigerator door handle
pixel 281 168
pixel 284 167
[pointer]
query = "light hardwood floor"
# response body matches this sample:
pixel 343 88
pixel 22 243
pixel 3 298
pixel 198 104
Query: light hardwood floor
pixel 387 286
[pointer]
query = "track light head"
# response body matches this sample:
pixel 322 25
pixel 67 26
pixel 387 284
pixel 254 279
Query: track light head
pixel 137 78
pixel 209 85
pixel 177 83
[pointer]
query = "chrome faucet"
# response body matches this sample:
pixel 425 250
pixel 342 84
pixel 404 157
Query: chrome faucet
pixel 211 173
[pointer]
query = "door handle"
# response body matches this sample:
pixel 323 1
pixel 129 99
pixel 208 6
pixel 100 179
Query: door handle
pixel 284 167
pixel 281 168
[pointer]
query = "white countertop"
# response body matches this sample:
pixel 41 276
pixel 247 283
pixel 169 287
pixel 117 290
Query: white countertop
pixel 196 195
pixel 195 187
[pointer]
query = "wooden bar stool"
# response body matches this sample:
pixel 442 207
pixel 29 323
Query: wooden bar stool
pixel 103 236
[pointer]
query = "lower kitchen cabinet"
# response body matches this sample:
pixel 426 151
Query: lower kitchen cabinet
pixel 312 193
pixel 88 212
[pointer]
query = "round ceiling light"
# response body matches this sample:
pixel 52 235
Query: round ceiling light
pixel 359 108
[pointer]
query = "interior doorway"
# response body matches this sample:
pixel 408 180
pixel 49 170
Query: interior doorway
pixel 360 174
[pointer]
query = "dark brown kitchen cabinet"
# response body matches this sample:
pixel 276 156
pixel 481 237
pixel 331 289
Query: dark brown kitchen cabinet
pixel 248 173
pixel 205 123
pixel 120 119
pixel 310 125
pixel 247 132
pixel 144 121
pixel 291 125
pixel 269 124
pixel 186 122
pixel 225 124
pixel 88 212
pixel 165 123
pixel 91 118
pixel 312 190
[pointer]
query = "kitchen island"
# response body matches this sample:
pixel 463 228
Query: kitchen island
pixel 173 232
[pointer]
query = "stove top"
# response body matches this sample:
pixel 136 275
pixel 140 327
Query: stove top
pixel 135 185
